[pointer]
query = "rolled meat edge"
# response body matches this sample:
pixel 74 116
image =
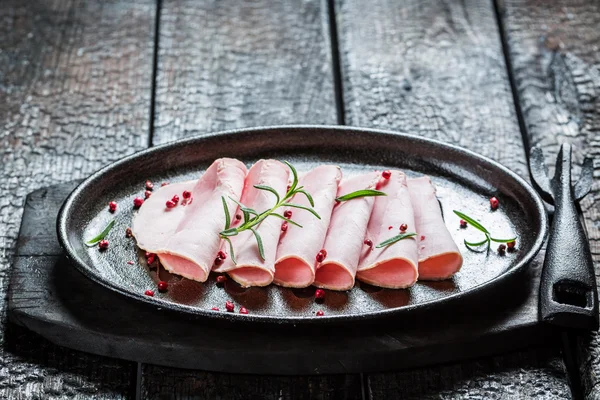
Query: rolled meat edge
pixel 439 257
pixel 250 269
pixel 186 237
pixel 345 236
pixel 393 266
pixel 298 247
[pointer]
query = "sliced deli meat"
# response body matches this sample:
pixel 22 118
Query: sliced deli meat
pixel 345 237
pixel 393 266
pixel 250 269
pixel 439 257
pixel 298 247
pixel 186 237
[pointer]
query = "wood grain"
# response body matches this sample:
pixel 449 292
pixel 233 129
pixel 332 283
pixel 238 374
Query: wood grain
pixel 228 65
pixel 555 57
pixel 225 65
pixel 74 95
pixel 437 69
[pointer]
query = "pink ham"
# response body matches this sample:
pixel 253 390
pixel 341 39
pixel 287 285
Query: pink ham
pixel 439 257
pixel 393 266
pixel 186 237
pixel 345 236
pixel 298 247
pixel 251 269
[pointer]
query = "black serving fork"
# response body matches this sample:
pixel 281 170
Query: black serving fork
pixel 568 293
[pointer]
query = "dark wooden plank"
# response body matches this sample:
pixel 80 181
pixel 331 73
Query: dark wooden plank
pixel 436 68
pixel 236 64
pixel 555 56
pixel 74 95
pixel 231 65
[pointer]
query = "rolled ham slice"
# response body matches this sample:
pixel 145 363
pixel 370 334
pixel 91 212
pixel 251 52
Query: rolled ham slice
pixel 251 269
pixel 439 257
pixel 186 237
pixel 344 240
pixel 393 266
pixel 298 247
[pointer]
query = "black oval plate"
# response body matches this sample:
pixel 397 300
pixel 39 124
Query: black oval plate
pixel 465 181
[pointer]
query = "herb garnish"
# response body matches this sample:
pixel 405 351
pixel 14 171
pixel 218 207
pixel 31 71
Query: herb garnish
pixel 395 239
pixel 252 218
pixel 360 193
pixel 101 235
pixel 488 236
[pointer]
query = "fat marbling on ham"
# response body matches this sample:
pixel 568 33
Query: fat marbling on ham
pixel 393 266
pixel 186 237
pixel 439 257
pixel 250 269
pixel 346 233
pixel 298 247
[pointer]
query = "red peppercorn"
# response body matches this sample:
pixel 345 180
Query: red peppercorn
pixel 130 262
pixel 390 227
pixel 422 237
pixel 215 308
pixel 137 202
pixel 243 310
pixel 170 204
pixel 149 293
pixel 222 255
pixel 128 233
pixel 175 199
pixel 403 227
pixel 221 279
pixel 287 214
pixel 321 255
pixel 288 188
pixel 463 223
pixel 319 294
pixel 103 244
pixel 186 194
pixel 163 286
pixel 368 242
pixel 511 245
pixel 147 194
pixel 112 206
pixel 284 227
pixel 229 306
pixel 218 261
pixel 386 174
pixel 149 185
pixel 494 203
pixel 164 184
pixel 320 313
pixel 501 248
pixel 238 216
pixel 150 259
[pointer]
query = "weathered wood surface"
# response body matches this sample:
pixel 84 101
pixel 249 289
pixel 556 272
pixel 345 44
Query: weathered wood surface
pixel 437 69
pixel 224 65
pixel 75 86
pixel 554 50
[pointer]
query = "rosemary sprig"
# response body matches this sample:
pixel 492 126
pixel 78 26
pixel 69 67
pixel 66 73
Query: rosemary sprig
pixel 488 236
pixel 252 218
pixel 395 239
pixel 101 235
pixel 360 193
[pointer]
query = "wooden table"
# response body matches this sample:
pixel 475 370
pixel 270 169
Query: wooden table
pixel 85 82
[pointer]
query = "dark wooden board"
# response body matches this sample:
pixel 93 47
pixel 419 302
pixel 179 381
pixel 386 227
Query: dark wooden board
pixel 52 298
pixel 437 69
pixel 75 92
pixel 554 50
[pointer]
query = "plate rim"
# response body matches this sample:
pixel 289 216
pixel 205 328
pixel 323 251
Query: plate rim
pixel 81 266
